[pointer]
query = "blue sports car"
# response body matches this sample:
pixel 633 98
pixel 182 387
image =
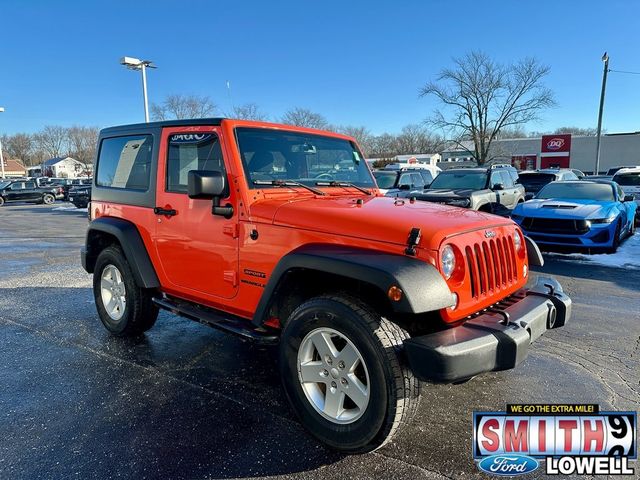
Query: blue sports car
pixel 580 214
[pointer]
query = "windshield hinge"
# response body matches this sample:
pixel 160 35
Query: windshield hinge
pixel 413 241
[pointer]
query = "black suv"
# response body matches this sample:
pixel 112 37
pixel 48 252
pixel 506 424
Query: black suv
pixel 493 189
pixel 393 181
pixel 28 191
pixel 533 181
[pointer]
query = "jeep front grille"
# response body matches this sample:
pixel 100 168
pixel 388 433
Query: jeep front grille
pixel 492 265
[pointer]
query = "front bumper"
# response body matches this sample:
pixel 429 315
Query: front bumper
pixel 497 339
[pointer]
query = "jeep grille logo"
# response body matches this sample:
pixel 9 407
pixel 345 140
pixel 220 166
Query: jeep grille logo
pixel 489 234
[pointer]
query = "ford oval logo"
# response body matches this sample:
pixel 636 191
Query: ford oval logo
pixel 555 143
pixel 508 465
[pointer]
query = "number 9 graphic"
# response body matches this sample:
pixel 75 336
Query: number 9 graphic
pixel 620 435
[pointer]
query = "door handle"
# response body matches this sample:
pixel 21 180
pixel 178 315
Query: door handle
pixel 169 212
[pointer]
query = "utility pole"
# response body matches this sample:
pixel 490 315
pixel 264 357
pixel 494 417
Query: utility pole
pixel 605 59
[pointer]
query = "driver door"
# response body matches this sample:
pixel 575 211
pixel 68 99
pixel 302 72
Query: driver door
pixel 198 251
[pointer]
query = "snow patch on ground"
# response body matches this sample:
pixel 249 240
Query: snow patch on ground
pixel 628 255
pixel 70 207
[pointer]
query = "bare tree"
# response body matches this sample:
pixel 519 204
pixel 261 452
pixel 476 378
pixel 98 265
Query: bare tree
pixel 417 139
pixel 384 146
pixel 82 143
pixel 183 106
pixel 480 97
pixel 361 134
pixel 19 146
pixel 52 141
pixel 248 111
pixel 579 131
pixel 302 117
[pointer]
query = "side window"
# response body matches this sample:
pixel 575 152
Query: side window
pixel 125 162
pixel 191 152
pixel 495 178
pixel 426 176
pixel 30 185
pixel 506 179
pixel 417 181
pixel 405 179
pixel 17 186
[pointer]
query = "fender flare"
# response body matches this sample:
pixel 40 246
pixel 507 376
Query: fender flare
pixel 132 246
pixel 424 289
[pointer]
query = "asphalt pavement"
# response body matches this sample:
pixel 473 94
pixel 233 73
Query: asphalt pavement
pixel 186 401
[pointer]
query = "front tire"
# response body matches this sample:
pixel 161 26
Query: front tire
pixel 341 370
pixel 616 238
pixel 125 309
pixel 48 199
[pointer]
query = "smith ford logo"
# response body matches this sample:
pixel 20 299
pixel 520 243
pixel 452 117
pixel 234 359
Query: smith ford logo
pixel 190 137
pixel 555 143
pixel 508 465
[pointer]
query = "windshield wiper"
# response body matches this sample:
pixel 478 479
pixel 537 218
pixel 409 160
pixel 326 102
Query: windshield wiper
pixel 288 183
pixel 343 184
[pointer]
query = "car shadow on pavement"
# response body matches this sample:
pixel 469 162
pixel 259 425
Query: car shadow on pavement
pixel 182 401
pixel 623 277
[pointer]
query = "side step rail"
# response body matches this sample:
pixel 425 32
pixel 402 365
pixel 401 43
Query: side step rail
pixel 222 321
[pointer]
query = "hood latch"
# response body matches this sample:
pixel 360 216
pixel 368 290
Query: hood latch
pixel 413 241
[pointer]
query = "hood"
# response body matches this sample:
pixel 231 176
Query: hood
pixel 563 208
pixel 379 218
pixel 448 193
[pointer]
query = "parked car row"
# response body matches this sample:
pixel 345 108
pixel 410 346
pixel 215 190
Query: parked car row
pixel 555 207
pixel 45 190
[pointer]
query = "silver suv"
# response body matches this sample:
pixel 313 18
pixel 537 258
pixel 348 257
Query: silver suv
pixel 492 189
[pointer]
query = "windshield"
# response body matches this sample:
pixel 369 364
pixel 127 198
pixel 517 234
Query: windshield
pixel 269 155
pixel 537 179
pixel 628 179
pixel 385 180
pixel 460 179
pixel 577 191
pixel 4 185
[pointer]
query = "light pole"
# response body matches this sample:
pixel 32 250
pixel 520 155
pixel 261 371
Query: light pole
pixel 1 157
pixel 605 59
pixel 142 65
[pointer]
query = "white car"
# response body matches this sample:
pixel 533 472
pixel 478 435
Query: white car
pixel 629 180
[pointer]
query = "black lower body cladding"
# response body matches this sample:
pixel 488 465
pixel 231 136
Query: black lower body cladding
pixel 496 340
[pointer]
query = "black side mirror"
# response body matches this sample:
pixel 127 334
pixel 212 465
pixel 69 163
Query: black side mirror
pixel 528 196
pixel 628 198
pixel 498 186
pixel 206 184
pixel 209 184
pixel 404 186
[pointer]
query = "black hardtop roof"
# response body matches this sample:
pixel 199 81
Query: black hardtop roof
pixel 164 123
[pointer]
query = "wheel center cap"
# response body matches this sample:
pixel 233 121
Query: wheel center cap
pixel 335 373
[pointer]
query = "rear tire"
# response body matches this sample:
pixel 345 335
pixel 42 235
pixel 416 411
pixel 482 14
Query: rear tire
pixel 1 201
pixel 375 398
pixel 125 309
pixel 48 199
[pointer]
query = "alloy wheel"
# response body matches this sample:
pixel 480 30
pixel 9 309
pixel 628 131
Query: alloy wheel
pixel 333 375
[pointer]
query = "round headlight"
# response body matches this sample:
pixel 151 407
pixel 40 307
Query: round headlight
pixel 447 261
pixel 517 240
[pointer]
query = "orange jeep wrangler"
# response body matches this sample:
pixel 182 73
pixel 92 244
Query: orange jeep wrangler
pixel 280 235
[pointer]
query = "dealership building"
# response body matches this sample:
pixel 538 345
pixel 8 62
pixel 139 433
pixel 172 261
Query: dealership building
pixel 564 151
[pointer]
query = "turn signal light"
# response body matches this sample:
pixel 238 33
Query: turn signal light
pixel 394 294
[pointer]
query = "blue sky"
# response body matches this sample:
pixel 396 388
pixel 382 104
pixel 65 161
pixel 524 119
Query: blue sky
pixel 356 62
